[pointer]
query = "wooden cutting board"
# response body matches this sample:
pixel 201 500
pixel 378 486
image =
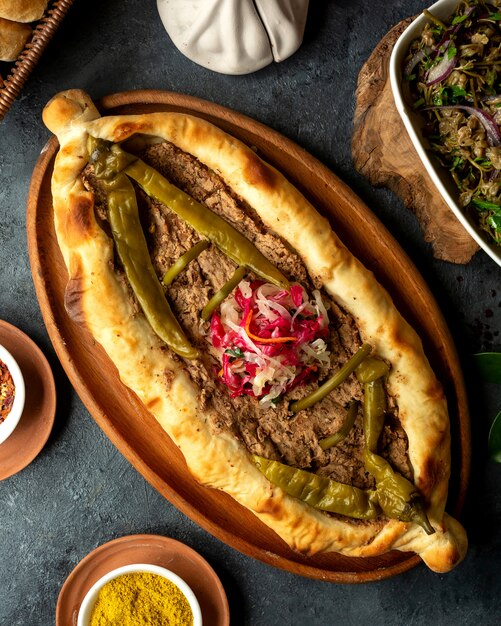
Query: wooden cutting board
pixel 383 152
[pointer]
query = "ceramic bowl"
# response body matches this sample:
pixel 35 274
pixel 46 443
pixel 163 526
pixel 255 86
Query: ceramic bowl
pixel 85 612
pixel 9 424
pixel 413 123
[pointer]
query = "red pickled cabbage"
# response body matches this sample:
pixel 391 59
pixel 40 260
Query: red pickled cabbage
pixel 270 340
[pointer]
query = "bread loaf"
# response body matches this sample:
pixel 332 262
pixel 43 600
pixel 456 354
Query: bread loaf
pixel 22 10
pixel 13 38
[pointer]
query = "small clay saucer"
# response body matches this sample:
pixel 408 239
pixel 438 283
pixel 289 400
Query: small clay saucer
pixel 154 549
pixel 33 429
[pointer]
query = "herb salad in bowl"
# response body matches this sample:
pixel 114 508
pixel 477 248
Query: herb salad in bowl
pixel 445 73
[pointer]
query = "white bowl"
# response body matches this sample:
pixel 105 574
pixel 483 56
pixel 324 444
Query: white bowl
pixel 413 122
pixel 9 424
pixel 85 612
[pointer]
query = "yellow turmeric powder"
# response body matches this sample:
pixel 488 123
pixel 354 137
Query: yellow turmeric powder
pixel 141 599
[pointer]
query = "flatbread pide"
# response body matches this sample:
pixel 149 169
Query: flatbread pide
pixel 269 354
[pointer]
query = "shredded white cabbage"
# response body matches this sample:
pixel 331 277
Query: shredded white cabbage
pixel 273 372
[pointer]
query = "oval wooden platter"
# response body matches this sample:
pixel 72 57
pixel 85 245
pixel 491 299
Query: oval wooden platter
pixel 134 430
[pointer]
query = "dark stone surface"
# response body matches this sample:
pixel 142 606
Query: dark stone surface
pixel 80 492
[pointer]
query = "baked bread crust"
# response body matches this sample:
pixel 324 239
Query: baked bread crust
pixel 22 10
pixel 13 38
pixel 220 461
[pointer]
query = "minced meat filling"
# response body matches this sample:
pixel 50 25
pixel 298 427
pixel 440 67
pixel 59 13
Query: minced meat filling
pixel 274 433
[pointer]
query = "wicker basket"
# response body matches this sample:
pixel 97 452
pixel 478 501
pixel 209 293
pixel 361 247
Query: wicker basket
pixel 42 34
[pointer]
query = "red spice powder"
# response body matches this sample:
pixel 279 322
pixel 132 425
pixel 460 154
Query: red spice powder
pixel 7 391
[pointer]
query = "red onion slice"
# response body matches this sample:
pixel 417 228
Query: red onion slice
pixel 417 58
pixel 453 29
pixel 443 68
pixel 487 121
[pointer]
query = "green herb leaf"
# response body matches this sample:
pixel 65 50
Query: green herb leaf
pixel 490 77
pixel 452 94
pixel 458 91
pixel 437 99
pixel 494 442
pixel 483 162
pixel 459 18
pixel 489 366
pixel 457 162
pixel 236 352
pixel 484 205
pixel 494 222
pixel 428 62
pixel 451 51
pixel 495 16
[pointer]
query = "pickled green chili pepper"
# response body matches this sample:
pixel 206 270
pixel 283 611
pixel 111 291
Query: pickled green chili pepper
pixel 337 379
pixel 318 491
pixel 175 269
pixel 397 497
pixel 223 293
pixel 374 412
pixel 133 252
pixel 350 418
pixel 109 159
pixel 371 369
pixel 205 222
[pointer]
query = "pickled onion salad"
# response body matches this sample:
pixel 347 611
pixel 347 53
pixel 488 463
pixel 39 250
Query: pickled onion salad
pixel 270 340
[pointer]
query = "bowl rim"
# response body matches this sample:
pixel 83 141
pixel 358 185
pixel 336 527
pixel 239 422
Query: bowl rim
pixel 443 9
pixel 85 610
pixel 8 426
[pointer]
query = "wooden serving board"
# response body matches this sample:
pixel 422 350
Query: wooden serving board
pixel 383 152
pixel 134 430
